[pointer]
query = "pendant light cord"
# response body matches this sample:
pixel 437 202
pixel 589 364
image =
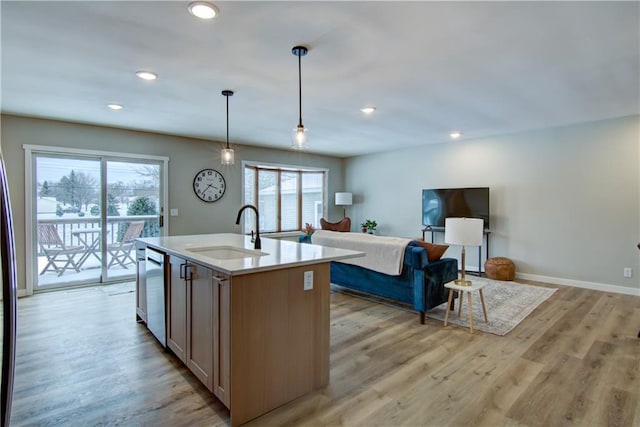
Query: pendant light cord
pixel 300 88
pixel 227 96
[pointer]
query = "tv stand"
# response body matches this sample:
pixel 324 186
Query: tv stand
pixel 486 232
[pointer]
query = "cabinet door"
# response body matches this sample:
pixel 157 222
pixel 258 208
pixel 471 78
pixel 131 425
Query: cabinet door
pixel 221 334
pixel 177 307
pixel 200 324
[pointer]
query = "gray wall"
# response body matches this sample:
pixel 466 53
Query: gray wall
pixel 187 157
pixel 564 201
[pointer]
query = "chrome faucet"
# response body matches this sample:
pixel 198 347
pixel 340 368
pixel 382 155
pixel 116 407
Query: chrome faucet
pixel 256 244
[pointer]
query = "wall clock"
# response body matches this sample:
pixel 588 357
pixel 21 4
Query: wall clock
pixel 209 185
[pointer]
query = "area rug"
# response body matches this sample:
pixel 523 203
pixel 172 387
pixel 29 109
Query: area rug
pixel 508 304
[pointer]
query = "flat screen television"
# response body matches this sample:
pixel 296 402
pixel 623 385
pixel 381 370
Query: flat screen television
pixel 440 203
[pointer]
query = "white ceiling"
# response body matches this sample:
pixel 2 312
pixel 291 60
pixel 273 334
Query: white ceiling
pixel 485 68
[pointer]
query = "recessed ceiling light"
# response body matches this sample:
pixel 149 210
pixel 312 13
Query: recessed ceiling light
pixel 368 110
pixel 146 75
pixel 455 134
pixel 115 106
pixel 203 10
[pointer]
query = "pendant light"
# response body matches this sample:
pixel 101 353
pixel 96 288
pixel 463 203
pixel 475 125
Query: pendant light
pixel 299 133
pixel 227 155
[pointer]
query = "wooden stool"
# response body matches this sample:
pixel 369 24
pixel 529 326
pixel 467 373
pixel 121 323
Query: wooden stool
pixel 476 285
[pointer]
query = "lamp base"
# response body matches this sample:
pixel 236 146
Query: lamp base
pixel 463 282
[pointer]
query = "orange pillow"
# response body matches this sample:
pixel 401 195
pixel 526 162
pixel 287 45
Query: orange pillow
pixel 434 251
pixel 344 225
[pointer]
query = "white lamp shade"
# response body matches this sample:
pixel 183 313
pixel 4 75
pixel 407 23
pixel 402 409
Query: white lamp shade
pixel 463 231
pixel 344 199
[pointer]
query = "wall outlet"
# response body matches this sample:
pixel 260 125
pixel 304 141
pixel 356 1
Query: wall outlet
pixel 628 272
pixel 174 212
pixel 308 280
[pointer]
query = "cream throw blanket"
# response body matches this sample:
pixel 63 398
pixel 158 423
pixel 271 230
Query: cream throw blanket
pixel 383 254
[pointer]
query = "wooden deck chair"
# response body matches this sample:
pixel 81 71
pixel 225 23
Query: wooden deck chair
pixel 121 251
pixel 59 256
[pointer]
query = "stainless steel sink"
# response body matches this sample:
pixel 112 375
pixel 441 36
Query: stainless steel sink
pixel 226 252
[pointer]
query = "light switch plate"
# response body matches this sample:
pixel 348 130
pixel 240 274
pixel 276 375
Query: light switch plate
pixel 308 280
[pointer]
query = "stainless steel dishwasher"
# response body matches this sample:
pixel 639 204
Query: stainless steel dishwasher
pixel 156 295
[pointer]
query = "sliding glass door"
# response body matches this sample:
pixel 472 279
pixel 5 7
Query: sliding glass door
pixel 88 211
pixel 133 210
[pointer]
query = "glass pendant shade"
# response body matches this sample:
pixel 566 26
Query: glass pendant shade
pixel 227 156
pixel 299 138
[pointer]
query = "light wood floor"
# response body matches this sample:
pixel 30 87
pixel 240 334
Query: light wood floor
pixel 82 360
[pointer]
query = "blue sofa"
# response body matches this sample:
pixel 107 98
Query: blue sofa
pixel 421 283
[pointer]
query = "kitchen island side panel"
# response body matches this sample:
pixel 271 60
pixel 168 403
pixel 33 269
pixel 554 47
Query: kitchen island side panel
pixel 279 339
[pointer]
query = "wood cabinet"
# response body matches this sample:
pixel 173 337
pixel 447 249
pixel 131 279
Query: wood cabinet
pixel 258 334
pixel 177 308
pixel 199 354
pixel 255 340
pixel 221 336
pixel 198 328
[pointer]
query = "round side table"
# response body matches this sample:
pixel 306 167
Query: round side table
pixel 476 285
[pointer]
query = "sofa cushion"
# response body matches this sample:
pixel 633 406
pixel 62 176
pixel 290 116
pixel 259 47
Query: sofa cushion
pixel 434 251
pixel 344 225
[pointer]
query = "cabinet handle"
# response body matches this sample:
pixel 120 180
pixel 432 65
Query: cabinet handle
pixel 183 270
pixel 188 274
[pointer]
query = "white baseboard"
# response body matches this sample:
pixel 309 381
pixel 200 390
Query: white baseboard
pixel 604 287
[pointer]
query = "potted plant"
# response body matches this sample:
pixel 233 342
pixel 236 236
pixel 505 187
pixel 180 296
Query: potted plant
pixel 308 229
pixel 369 226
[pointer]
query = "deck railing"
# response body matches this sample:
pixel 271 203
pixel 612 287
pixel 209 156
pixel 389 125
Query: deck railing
pixel 115 227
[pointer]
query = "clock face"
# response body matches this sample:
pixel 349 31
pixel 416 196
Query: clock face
pixel 209 185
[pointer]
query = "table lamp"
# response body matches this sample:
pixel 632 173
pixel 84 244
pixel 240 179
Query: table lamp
pixel 344 199
pixel 463 232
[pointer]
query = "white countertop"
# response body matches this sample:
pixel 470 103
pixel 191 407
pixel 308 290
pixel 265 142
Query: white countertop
pixel 276 253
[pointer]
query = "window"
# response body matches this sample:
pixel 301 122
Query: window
pixel 286 196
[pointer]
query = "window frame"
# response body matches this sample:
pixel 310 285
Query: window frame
pixel 279 168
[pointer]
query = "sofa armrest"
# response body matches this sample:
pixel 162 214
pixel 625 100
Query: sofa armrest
pixel 436 274
pixel 415 256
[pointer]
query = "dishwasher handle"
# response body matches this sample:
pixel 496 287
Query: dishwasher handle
pixel 156 262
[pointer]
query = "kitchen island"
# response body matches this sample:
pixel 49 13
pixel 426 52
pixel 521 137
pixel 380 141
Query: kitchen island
pixel 251 324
